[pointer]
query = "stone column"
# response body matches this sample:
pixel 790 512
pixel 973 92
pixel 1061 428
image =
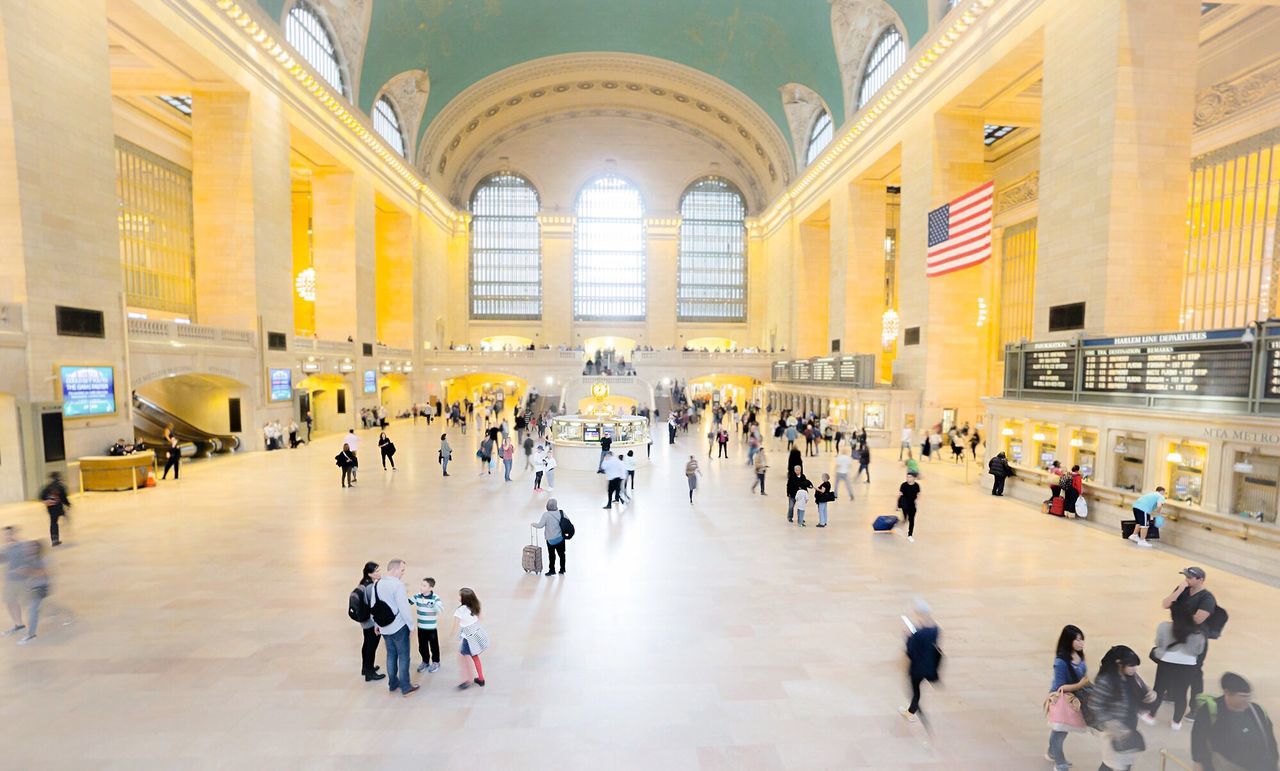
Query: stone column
pixel 864 272
pixel 343 237
pixel 394 293
pixel 557 280
pixel 58 212
pixel 942 159
pixel 662 241
pixel 1115 149
pixel 812 280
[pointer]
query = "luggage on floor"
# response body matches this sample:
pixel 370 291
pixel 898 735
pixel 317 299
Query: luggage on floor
pixel 1129 525
pixel 885 523
pixel 531 559
pixel 1056 506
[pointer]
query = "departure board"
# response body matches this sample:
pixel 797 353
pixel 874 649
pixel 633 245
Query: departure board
pixel 1052 368
pixel 781 371
pixel 848 369
pixel 823 370
pixel 1198 369
pixel 800 370
pixel 1271 377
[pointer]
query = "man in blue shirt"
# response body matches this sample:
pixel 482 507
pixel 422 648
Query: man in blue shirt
pixel 1144 509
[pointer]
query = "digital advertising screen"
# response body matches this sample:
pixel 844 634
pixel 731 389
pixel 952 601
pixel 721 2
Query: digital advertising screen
pixel 281 383
pixel 370 381
pixel 88 391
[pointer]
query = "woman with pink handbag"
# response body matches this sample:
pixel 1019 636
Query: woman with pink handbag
pixel 1062 708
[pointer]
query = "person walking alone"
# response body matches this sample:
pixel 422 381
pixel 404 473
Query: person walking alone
pixel 924 657
pixel 864 462
pixel 1232 732
pixel 760 464
pixel 56 503
pixel 844 463
pixel 908 495
pixel 549 524
pixel 445 455
pixel 691 476
pixel 172 457
pixel 388 450
pixel 508 453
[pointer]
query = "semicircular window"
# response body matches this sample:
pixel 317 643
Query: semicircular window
pixel 819 137
pixel 387 123
pixel 308 35
pixel 888 54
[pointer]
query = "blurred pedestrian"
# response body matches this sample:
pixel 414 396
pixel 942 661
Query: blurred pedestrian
pixel 924 656
pixel 56 503
pixel 1118 693
pixel 36 582
pixel 472 637
pixel 1231 732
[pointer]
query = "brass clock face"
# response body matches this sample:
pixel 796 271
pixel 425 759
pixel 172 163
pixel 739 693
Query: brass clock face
pixel 600 390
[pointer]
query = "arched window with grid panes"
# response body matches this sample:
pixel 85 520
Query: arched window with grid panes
pixel 887 55
pixel 609 251
pixel 506 249
pixel 711 280
pixel 819 136
pixel 386 121
pixel 307 33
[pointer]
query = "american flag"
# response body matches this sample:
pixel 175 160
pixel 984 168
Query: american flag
pixel 960 232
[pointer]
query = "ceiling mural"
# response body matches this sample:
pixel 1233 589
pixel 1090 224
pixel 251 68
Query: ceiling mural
pixel 755 46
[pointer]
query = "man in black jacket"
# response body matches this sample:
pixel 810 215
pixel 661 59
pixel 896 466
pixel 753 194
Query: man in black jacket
pixel 1000 469
pixel 1231 732
pixel 54 496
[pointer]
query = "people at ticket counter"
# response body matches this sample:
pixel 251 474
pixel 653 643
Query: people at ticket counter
pixel 1000 469
pixel 1144 511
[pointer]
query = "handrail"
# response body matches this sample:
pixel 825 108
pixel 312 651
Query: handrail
pixel 1167 757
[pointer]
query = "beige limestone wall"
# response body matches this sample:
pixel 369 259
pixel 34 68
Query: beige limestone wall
pixel 394 301
pixel 57 177
pixel 1119 82
pixel 812 286
pixel 864 274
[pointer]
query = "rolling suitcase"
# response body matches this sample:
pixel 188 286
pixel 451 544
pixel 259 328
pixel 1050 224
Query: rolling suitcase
pixel 531 559
pixel 1128 526
pixel 1056 506
pixel 885 523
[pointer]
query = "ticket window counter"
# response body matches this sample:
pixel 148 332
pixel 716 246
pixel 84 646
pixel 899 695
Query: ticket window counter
pixel 1255 492
pixel 1131 462
pixel 1044 442
pixel 1084 451
pixel 1184 471
pixel 1012 442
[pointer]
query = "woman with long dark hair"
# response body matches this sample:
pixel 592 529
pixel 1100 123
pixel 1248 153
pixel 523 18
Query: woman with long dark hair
pixel 1070 674
pixel 372 572
pixel 1178 647
pixel 473 639
pixel 1118 694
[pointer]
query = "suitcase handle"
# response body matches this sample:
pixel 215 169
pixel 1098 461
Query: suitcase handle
pixel 533 535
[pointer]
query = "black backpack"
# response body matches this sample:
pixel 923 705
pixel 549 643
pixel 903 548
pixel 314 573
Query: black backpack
pixel 358 605
pixel 566 527
pixel 1214 624
pixel 382 613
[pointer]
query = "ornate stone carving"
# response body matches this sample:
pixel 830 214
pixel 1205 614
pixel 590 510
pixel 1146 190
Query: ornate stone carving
pixel 1023 191
pixel 855 26
pixel 1223 100
pixel 801 105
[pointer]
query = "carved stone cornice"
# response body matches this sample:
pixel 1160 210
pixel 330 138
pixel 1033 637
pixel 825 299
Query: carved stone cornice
pixel 1023 191
pixel 1224 100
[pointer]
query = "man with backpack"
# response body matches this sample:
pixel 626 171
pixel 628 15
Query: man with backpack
pixel 1233 733
pixel 557 528
pixel 1199 604
pixel 390 610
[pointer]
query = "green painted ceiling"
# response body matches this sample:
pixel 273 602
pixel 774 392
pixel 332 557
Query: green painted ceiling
pixel 754 45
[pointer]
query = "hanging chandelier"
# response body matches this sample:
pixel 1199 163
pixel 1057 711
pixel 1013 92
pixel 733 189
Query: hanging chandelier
pixel 305 284
pixel 889 328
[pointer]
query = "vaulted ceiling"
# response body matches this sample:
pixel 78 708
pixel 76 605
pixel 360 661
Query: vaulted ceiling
pixel 755 46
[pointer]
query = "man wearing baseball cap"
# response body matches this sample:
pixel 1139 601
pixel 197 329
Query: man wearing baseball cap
pixel 1198 603
pixel 1233 732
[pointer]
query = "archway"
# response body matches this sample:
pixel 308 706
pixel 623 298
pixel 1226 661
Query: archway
pixel 331 402
pixel 394 393
pixel 721 388
pixel 503 386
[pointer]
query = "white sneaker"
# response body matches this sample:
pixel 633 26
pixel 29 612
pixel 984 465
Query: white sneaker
pixel 1176 725
pixel 26 639
pixel 1144 717
pixel 911 539
pixel 1133 537
pixel 906 714
pixel 1145 544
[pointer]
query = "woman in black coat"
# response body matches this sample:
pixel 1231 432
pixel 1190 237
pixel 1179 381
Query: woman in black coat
pixel 346 461
pixel 388 449
pixel 795 480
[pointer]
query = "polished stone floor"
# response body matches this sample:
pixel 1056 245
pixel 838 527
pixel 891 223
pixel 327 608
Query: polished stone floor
pixel 202 624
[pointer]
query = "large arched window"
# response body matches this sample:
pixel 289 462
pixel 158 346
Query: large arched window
pixel 309 37
pixel 888 54
pixel 711 283
pixel 608 251
pixel 506 249
pixel 387 123
pixel 819 137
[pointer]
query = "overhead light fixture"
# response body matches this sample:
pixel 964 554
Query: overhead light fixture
pixel 1038 436
pixel 889 324
pixel 1006 432
pixel 982 311
pixel 1174 457
pixel 1077 442
pixel 1243 467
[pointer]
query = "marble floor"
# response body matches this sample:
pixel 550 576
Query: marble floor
pixel 203 625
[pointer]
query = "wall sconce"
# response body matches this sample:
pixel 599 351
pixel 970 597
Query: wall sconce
pixel 982 311
pixel 1174 457
pixel 1006 432
pixel 1038 436
pixel 1077 442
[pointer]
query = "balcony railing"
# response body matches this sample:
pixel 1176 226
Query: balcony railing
pixel 155 330
pixel 339 347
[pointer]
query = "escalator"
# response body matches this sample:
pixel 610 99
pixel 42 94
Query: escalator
pixel 150 420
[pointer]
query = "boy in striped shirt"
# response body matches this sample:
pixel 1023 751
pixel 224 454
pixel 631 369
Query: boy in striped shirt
pixel 428 606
